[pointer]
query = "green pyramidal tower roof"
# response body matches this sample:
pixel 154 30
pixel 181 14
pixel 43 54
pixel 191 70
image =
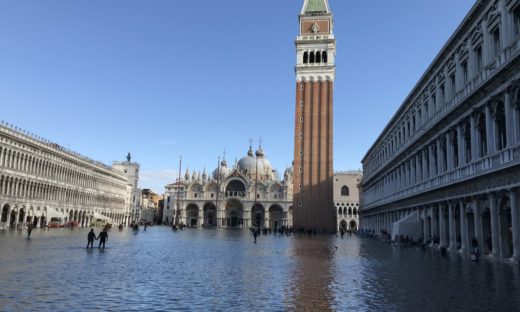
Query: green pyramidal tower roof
pixel 315 6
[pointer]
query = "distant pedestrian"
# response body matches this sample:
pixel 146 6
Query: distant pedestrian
pixel 103 237
pixel 255 233
pixel 342 232
pixel 29 230
pixel 90 238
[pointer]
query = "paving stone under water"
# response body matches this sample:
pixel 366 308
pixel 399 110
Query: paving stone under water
pixel 222 270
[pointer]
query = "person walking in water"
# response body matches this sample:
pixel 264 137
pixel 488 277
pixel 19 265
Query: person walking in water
pixel 103 237
pixel 255 233
pixel 90 238
pixel 29 230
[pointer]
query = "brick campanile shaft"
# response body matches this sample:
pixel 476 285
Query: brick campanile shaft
pixel 313 152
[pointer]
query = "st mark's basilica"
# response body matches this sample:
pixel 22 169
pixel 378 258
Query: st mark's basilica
pixel 248 193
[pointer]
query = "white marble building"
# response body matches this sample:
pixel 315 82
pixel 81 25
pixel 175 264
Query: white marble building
pixel 133 193
pixel 346 199
pixel 450 156
pixel 249 193
pixel 41 181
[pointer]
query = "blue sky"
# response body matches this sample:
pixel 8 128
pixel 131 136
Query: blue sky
pixel 161 78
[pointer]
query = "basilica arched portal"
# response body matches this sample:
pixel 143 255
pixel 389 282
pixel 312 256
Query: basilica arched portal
pixel 210 214
pixel 192 215
pixel 258 215
pixel 234 213
pixel 276 217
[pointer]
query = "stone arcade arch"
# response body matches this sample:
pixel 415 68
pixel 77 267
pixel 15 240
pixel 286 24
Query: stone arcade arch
pixel 276 217
pixel 210 214
pixel 258 215
pixel 21 215
pixel 352 225
pixel 12 220
pixel 234 213
pixel 192 215
pixel 5 214
pixel 505 225
pixel 343 225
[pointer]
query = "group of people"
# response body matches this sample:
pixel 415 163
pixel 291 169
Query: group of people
pixel 179 227
pixel 283 231
pixel 343 231
pixel 102 237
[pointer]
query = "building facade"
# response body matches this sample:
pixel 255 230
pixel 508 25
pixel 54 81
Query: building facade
pixel 313 154
pixel 247 194
pixel 41 181
pixel 346 199
pixel 450 156
pixel 134 194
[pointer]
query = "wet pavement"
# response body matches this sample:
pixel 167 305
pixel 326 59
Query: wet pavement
pixel 222 270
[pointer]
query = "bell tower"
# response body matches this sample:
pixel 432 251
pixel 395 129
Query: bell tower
pixel 313 154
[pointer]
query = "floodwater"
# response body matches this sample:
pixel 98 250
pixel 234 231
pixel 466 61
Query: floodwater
pixel 223 270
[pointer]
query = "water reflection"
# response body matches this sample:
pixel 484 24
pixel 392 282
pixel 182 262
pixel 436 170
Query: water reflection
pixel 221 270
pixel 312 275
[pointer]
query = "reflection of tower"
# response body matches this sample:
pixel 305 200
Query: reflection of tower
pixel 313 164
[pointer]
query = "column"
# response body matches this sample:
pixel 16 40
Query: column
pixel 509 116
pixel 431 158
pixel 417 169
pixel 453 228
pixel 515 217
pixel 486 46
pixel 460 145
pixel 505 29
pixel 477 219
pixel 494 224
pixel 439 156
pixel 449 148
pixel 442 226
pixel 413 175
pixel 424 165
pixel 425 225
pixel 201 217
pixel 490 133
pixel 474 141
pixel 463 227
pixel 438 97
pixel 434 224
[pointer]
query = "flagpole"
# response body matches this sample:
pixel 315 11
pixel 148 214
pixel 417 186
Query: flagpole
pixel 178 193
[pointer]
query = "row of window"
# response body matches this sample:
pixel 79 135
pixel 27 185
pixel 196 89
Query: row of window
pixel 22 188
pixel 457 147
pixel 442 90
pixel 28 164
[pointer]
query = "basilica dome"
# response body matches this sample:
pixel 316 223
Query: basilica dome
pixel 249 165
pixel 224 171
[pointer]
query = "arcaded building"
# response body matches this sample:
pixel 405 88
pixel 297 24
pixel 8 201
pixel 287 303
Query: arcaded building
pixel 450 156
pixel 41 181
pixel 313 154
pixel 249 193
